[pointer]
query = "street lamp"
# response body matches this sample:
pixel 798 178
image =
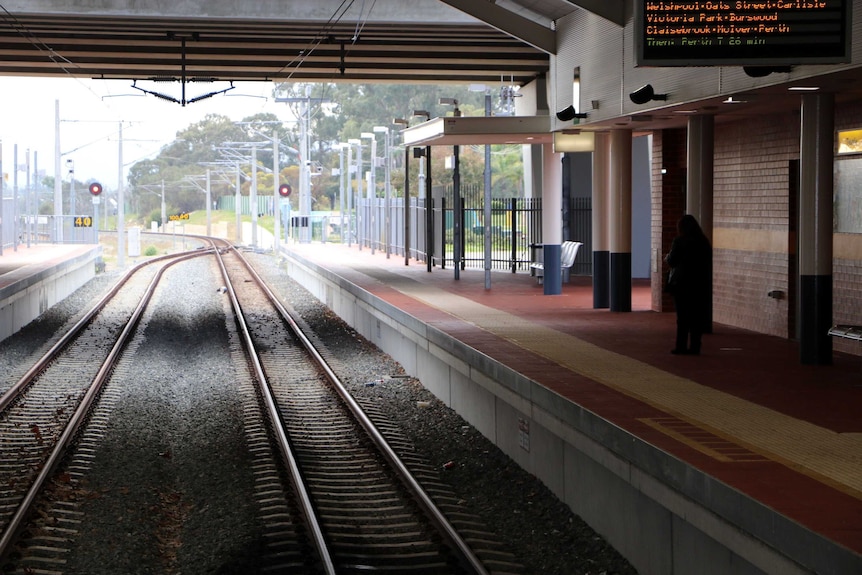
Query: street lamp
pixel 404 125
pixel 457 213
pixel 386 185
pixel 371 191
pixel 429 215
pixel 351 204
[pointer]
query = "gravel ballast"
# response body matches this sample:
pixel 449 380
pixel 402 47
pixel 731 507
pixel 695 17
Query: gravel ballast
pixel 205 522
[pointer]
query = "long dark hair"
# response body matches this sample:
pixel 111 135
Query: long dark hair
pixel 689 227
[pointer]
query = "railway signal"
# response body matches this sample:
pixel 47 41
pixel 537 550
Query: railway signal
pixel 95 188
pixel 284 190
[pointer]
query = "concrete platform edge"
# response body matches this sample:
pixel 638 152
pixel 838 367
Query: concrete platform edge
pixel 24 299
pixel 633 478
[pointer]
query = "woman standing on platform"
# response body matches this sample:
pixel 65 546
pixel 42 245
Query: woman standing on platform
pixel 690 261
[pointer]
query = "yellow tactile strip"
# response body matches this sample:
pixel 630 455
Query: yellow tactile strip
pixel 702 440
pixel 833 458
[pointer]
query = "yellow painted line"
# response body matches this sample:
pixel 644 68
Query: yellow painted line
pixel 829 457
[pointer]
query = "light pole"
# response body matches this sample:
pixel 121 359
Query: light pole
pixel 457 214
pixel 429 215
pixel 371 191
pixel 349 188
pixel 360 221
pixel 386 186
pixel 404 125
pixel 342 148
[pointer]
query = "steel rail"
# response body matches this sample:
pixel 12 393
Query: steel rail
pixel 21 385
pixel 302 494
pixel 80 415
pixel 425 501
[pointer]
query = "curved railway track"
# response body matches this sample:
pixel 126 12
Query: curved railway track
pixel 351 504
pixel 42 412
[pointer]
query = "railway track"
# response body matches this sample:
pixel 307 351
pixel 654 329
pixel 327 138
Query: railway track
pixel 366 509
pixel 333 495
pixel 42 412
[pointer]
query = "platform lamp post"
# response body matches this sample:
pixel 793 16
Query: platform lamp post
pixel 358 197
pixel 429 215
pixel 404 125
pixel 351 229
pixel 387 190
pixel 371 191
pixel 343 183
pixel 457 213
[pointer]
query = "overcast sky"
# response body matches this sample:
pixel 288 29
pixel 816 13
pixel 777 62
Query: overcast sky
pixel 90 115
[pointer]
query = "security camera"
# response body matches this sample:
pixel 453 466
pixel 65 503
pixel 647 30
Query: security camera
pixel 646 93
pixel 568 114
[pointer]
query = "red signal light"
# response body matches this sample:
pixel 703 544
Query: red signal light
pixel 95 188
pixel 284 190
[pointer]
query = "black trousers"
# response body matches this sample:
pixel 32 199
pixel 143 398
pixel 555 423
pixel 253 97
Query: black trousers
pixel 690 321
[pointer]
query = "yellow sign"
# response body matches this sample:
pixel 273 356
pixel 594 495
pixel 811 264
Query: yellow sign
pixel 83 222
pixel 175 217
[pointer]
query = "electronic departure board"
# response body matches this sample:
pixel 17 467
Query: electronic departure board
pixel 743 32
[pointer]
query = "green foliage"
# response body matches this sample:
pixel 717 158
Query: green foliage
pixel 338 112
pixel 150 251
pixel 155 216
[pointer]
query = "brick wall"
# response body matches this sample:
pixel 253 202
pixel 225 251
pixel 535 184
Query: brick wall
pixel 753 223
pixel 668 205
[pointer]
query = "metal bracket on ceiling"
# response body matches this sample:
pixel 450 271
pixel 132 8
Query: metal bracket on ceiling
pixel 183 79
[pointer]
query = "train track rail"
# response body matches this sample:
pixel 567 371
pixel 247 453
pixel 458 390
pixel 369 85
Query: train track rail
pixel 364 508
pixel 43 411
pixel 336 498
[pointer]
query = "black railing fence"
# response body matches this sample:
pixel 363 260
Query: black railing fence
pixel 516 229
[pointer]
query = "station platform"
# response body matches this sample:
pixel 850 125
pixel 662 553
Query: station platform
pixel 744 430
pixel 34 278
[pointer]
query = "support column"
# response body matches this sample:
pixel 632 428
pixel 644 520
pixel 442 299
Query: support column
pixel 700 149
pixel 552 219
pixel 620 183
pixel 815 227
pixel 601 221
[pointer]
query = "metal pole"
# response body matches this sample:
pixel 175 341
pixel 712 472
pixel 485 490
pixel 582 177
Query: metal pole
pixel 387 220
pixel 72 208
pixel 15 198
pixel 406 205
pixel 457 254
pixel 374 231
pixel 28 205
pixel 349 191
pixel 276 195
pixel 429 215
pixel 238 205
pixel 121 208
pixel 253 196
pixel 487 209
pixel 209 205
pixel 58 178
pixel 164 208
pixel 341 176
pixel 36 192
pixel 361 223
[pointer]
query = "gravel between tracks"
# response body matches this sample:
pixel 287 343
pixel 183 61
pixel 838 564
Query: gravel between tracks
pixel 540 530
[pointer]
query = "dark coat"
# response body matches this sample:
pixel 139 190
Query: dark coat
pixel 690 259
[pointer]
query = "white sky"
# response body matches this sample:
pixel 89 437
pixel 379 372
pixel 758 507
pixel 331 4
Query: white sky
pixel 90 116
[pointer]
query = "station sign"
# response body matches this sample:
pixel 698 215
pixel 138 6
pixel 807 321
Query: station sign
pixel 742 32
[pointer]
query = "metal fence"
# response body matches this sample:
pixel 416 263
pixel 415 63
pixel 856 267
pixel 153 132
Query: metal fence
pixel 516 229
